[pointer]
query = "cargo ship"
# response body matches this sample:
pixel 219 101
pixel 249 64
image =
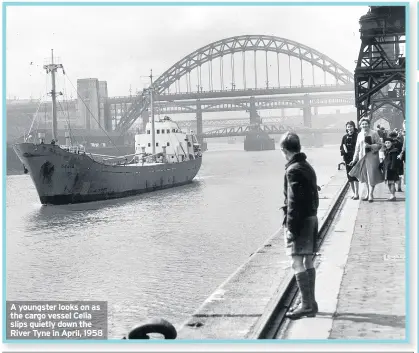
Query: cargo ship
pixel 164 157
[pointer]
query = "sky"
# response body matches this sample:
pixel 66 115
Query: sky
pixel 121 44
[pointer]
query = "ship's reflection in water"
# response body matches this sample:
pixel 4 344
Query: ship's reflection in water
pixel 157 254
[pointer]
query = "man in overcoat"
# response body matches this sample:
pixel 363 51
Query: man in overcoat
pixel 300 222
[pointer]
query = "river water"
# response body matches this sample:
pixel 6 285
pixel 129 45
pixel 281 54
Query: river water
pixel 155 255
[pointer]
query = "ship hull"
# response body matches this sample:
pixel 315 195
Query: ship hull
pixel 14 164
pixel 61 177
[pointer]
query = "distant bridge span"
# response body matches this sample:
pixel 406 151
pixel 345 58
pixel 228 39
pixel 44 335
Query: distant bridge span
pixel 231 122
pixel 243 130
pixel 259 103
pixel 233 45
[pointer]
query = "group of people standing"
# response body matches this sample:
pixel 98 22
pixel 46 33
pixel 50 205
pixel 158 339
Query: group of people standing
pixel 372 157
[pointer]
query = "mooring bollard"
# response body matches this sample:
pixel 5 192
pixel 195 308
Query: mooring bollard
pixel 159 326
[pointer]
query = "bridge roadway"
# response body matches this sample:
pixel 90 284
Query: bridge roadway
pixel 250 92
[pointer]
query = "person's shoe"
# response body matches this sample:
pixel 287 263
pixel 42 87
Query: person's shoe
pixel 355 197
pixel 311 272
pixel 300 312
pixel 392 198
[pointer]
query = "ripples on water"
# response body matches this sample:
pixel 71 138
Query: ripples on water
pixel 155 255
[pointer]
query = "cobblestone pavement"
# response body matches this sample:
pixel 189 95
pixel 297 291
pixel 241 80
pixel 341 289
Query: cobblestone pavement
pixel 371 302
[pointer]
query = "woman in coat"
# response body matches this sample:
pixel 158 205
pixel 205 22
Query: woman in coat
pixel 347 150
pixel 366 160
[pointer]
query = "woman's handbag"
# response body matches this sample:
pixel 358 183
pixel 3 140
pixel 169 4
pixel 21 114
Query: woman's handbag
pixel 368 139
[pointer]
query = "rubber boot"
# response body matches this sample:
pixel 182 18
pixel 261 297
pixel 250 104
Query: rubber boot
pixel 305 309
pixel 311 272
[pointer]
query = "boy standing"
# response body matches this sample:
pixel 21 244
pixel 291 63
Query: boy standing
pixel 300 211
pixel 391 166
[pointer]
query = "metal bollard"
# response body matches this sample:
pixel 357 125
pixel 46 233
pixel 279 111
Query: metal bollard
pixel 160 326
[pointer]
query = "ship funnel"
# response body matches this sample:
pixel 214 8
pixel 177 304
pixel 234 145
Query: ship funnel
pixel 41 136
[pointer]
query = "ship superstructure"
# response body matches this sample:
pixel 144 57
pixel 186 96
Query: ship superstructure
pixel 170 142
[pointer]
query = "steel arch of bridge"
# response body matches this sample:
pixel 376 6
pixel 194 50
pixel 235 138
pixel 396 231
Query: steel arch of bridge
pixel 252 43
pixel 230 46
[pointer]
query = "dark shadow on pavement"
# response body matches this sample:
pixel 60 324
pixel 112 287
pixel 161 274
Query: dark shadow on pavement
pixel 377 319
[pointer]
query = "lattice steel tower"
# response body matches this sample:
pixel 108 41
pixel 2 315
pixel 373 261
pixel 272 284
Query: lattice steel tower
pixel 380 70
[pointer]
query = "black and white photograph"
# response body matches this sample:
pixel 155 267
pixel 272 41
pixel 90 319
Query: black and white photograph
pixel 206 172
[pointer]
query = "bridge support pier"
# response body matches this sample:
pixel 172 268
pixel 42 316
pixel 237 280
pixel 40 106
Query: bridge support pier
pixel 199 127
pixel 307 111
pixel 254 116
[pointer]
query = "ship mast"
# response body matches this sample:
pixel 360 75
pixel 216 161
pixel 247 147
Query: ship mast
pixel 153 132
pixel 53 68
